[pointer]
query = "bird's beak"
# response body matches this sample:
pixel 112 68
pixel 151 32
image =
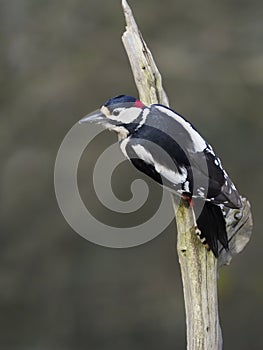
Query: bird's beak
pixel 94 117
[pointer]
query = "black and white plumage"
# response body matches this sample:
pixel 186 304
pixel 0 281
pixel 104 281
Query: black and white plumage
pixel 163 145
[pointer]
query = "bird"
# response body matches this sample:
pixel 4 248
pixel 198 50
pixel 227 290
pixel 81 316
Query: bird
pixel 162 144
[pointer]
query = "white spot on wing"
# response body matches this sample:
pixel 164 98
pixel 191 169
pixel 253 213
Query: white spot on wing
pixel 200 192
pixel 186 186
pixel 171 175
pixel 233 186
pixel 209 149
pixel 198 142
pixel 143 154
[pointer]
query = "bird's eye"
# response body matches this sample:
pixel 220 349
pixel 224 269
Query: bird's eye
pixel 116 112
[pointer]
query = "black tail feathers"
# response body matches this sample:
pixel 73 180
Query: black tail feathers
pixel 212 225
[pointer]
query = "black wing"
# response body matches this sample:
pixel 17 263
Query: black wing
pixel 170 150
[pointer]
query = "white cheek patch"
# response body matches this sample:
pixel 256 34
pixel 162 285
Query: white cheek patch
pixel 127 115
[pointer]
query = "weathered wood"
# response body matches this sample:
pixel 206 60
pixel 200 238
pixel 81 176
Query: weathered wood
pixel 199 276
pixel 198 266
pixel 146 75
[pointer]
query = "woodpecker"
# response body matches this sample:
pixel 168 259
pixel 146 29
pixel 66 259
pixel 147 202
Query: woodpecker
pixel 165 146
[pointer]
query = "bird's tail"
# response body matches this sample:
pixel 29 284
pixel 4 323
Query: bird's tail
pixel 211 223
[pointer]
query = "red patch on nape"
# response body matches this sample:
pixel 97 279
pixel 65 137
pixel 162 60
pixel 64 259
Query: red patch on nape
pixel 138 104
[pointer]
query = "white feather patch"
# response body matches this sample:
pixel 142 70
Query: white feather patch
pixel 145 113
pixel 172 176
pixel 123 145
pixel 198 142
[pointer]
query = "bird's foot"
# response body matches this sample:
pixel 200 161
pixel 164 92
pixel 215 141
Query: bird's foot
pixel 199 235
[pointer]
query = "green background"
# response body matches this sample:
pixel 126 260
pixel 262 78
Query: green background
pixel 59 61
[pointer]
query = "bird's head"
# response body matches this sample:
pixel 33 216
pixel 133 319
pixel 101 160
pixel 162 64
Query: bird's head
pixel 121 114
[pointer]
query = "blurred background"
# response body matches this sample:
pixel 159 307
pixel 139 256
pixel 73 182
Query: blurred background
pixel 59 61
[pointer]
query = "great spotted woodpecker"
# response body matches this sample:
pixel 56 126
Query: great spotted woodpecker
pixel 163 145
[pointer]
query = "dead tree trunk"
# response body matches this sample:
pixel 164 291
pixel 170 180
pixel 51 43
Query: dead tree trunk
pixel 198 266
